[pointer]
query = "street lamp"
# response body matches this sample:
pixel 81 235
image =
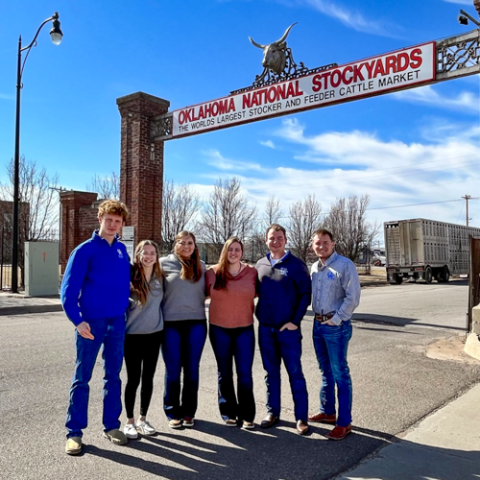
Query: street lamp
pixel 56 35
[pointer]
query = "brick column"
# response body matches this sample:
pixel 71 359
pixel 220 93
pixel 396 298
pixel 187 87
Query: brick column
pixel 141 167
pixel 78 220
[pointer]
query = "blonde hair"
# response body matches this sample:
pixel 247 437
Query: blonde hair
pixel 191 267
pixel 221 274
pixel 139 283
pixel 113 207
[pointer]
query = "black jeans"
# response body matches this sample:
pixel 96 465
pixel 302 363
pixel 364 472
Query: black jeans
pixel 141 356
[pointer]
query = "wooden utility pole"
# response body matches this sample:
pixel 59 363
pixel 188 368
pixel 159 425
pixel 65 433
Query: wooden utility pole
pixel 467 198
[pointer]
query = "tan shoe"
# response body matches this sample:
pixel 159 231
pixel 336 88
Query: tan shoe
pixel 269 421
pixel 302 427
pixel 116 436
pixel 73 446
pixel 323 418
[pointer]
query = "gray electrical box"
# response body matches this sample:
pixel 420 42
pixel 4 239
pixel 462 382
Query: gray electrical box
pixel 41 269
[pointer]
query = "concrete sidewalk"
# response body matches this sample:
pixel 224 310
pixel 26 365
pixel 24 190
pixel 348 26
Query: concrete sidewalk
pixel 443 446
pixel 19 304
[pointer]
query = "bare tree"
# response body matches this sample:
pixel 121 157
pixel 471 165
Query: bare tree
pixel 107 187
pixel 180 204
pixel 38 204
pixel 304 219
pixel 272 214
pixel 227 213
pixel 348 224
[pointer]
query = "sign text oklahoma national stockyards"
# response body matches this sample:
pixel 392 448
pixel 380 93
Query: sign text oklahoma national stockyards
pixel 373 76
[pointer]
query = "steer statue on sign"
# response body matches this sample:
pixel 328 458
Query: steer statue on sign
pixel 274 54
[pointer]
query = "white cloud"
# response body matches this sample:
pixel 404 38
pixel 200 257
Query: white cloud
pixel 391 172
pixel 216 159
pixel 268 143
pixel 460 2
pixel 353 19
pixel 464 101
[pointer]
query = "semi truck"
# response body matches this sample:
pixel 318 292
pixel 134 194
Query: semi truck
pixel 420 249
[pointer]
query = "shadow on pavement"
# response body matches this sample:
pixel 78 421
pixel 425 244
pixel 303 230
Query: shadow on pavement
pixel 282 454
pixel 399 321
pixel 232 453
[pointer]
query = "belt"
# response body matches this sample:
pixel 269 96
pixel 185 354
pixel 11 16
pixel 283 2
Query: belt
pixel 324 318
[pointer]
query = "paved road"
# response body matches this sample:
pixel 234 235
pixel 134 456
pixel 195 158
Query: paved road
pixel 395 386
pixel 436 305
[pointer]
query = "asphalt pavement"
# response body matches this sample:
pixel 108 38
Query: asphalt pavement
pixel 414 416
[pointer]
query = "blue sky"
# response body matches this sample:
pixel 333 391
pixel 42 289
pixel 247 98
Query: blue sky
pixel 416 147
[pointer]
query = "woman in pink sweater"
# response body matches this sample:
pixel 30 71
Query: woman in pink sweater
pixel 232 286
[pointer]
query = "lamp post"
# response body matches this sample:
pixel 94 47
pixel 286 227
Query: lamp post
pixel 56 35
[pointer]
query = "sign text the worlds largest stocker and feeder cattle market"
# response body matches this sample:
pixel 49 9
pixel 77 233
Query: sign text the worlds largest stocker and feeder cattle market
pixel 392 71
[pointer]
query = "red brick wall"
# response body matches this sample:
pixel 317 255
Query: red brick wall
pixel 141 166
pixel 79 219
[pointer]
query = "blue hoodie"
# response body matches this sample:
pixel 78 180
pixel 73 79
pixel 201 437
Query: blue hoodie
pixel 96 283
pixel 285 291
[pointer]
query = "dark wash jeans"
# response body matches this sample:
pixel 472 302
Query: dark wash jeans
pixel 239 344
pixel 331 346
pixel 286 345
pixel 182 347
pixel 109 332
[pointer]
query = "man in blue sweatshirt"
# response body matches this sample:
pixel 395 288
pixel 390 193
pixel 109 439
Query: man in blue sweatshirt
pixel 94 293
pixel 285 292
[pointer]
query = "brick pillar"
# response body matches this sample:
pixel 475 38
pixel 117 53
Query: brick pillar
pixel 141 167
pixel 74 229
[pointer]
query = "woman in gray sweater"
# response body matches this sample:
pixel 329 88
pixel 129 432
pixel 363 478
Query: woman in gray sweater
pixel 144 333
pixel 183 309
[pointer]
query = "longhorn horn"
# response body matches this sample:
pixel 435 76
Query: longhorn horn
pixel 285 35
pixel 255 44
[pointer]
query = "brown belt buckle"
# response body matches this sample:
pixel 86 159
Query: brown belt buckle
pixel 323 318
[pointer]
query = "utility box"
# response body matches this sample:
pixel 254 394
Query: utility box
pixel 41 269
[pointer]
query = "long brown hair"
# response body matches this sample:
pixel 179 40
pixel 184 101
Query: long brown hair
pixel 222 269
pixel 139 283
pixel 191 267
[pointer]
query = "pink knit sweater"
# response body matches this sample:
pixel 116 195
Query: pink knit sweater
pixel 232 307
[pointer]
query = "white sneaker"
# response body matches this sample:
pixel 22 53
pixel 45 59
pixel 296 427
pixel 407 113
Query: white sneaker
pixel 130 431
pixel 145 428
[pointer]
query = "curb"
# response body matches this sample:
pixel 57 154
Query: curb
pixel 24 309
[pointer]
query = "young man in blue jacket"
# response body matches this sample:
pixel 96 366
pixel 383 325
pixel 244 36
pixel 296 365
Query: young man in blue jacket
pixel 94 293
pixel 285 292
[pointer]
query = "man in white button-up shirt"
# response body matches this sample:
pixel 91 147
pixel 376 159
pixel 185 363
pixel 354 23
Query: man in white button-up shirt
pixel 336 294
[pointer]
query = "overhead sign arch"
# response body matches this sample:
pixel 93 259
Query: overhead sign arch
pixel 410 67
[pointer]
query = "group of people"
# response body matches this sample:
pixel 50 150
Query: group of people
pixel 158 304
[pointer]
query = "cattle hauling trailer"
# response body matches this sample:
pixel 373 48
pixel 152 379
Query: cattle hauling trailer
pixel 425 249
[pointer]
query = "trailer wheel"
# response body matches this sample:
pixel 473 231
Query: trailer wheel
pixel 446 274
pixel 428 275
pixel 397 279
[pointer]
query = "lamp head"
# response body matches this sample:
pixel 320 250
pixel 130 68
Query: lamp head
pixel 462 20
pixel 55 33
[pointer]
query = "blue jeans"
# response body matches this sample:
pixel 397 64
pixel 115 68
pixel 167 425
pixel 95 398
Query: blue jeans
pixel 286 345
pixel 331 345
pixel 238 344
pixel 182 347
pixel 109 332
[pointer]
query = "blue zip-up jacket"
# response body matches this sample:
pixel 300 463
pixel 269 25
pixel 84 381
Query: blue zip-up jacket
pixel 96 283
pixel 285 291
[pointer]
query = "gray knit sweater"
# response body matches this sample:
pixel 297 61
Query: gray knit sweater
pixel 146 318
pixel 182 299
